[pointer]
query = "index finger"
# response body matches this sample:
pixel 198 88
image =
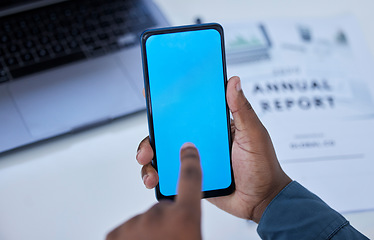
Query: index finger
pixel 190 177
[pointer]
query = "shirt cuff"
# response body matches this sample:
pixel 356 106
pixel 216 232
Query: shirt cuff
pixel 296 213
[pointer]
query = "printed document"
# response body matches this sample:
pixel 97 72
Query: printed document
pixel 311 82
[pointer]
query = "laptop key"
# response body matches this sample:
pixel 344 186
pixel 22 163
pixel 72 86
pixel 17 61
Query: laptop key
pixel 4 39
pixel 42 53
pixel 19 34
pixel 35 30
pixel 27 57
pixel 73 45
pixel 59 36
pixel 74 32
pixel 22 24
pixel 10 62
pixel 13 48
pixel 44 40
pixel 57 48
pixel 7 27
pixel 29 44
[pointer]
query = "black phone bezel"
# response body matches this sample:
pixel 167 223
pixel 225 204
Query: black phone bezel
pixel 145 35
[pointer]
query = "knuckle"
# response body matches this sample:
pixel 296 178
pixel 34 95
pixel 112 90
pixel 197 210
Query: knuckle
pixel 144 170
pixel 189 155
pixel 191 172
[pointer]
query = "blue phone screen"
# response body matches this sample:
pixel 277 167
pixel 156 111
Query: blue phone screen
pixel 186 85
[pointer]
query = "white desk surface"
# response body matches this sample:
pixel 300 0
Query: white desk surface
pixel 80 186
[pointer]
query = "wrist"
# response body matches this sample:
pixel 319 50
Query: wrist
pixel 260 208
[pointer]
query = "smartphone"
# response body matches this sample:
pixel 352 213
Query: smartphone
pixel 185 87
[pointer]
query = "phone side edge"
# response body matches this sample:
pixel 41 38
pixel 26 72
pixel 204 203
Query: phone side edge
pixel 231 188
pixel 144 37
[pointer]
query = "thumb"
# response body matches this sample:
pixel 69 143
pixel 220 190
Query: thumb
pixel 242 111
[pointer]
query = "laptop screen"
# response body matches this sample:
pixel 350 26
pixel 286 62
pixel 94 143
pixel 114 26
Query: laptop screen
pixel 15 4
pixel 4 4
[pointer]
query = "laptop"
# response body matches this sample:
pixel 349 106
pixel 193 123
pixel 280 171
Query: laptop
pixel 69 65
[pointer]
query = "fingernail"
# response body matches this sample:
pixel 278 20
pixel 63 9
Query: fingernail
pixel 238 86
pixel 137 154
pixel 145 178
pixel 187 145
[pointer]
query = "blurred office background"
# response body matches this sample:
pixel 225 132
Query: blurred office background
pixel 80 186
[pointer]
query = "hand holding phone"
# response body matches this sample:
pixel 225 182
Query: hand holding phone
pixel 258 174
pixel 185 87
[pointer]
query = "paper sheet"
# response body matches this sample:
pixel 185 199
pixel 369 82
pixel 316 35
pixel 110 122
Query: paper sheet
pixel 311 82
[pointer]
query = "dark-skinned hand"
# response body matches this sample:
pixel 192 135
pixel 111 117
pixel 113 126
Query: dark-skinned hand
pixel 178 220
pixel 258 175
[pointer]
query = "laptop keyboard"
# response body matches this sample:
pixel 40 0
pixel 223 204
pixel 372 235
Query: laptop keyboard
pixel 62 33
